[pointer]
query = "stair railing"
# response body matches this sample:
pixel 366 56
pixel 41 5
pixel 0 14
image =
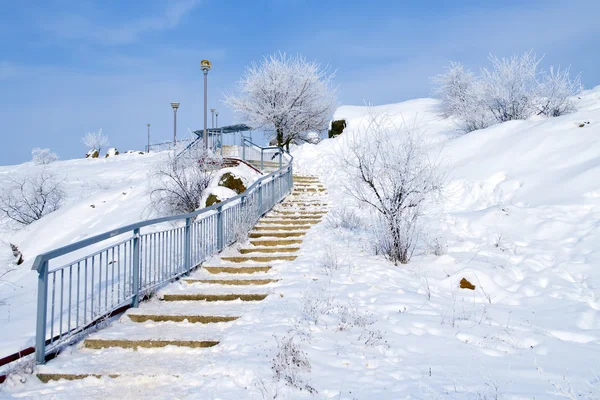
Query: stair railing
pixel 101 276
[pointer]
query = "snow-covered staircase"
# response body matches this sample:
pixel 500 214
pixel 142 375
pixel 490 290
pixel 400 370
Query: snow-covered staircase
pixel 190 317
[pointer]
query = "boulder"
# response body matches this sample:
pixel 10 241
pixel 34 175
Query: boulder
pixel 212 199
pixel 112 152
pixel 337 127
pixel 92 154
pixel 232 182
pixel 465 284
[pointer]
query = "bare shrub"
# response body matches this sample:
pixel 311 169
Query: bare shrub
pixel 350 316
pixel 177 183
pixel 290 363
pixel 316 302
pixel 556 91
pixel 245 223
pixel 390 170
pixel 330 262
pixel 43 156
pixel 28 199
pixel 437 246
pixel 343 217
pixel 95 140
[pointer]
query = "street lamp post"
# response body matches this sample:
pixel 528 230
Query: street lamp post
pixel 205 66
pixel 217 114
pixel 175 107
pixel 148 148
pixel 212 112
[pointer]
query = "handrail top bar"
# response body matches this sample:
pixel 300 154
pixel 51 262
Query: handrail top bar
pixel 41 258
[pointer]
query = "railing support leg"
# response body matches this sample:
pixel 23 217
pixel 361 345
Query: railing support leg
pixel 187 245
pixel 42 309
pixel 260 205
pixel 135 301
pixel 219 229
pixel 280 158
pixel 262 160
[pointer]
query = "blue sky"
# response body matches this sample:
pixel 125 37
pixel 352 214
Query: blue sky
pixel 69 67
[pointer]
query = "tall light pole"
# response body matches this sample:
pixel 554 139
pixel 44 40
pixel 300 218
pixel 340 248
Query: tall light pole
pixel 205 66
pixel 175 107
pixel 148 148
pixel 212 112
pixel 217 114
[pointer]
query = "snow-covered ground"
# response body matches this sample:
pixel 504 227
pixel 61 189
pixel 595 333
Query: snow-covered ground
pixel 521 217
pixel 101 194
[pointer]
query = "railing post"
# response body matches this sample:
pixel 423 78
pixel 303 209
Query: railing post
pixel 262 161
pixel 187 249
pixel 259 199
pixel 244 150
pixel 135 301
pixel 219 229
pixel 42 310
pixel 280 158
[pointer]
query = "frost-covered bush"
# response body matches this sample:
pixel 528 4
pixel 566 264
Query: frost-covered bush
pixel 392 173
pixel 43 156
pixel 287 96
pixel 343 217
pixel 28 199
pixel 95 140
pixel 177 183
pixel 512 89
pixel 556 91
pixel 291 363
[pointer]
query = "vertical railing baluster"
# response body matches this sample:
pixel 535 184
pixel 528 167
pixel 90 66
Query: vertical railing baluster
pixel 61 308
pixel 92 289
pixel 42 312
pixel 77 296
pixel 136 267
pixel 70 297
pixel 85 283
pixel 52 307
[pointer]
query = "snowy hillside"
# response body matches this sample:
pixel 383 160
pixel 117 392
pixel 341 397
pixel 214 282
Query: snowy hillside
pixel 101 195
pixel 521 217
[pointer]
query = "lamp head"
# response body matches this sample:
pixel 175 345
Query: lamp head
pixel 175 105
pixel 205 65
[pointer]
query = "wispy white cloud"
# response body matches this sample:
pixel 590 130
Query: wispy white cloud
pixel 76 26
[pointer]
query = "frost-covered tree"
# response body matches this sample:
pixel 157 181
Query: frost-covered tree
pixel 512 89
pixel 28 199
pixel 95 140
pixel 287 96
pixel 43 156
pixel 556 91
pixel 510 86
pixel 178 182
pixel 389 169
pixel 461 95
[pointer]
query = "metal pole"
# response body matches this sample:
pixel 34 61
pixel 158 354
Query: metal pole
pixel 212 114
pixel 148 148
pixel 42 309
pixel 205 108
pixel 217 114
pixel 174 126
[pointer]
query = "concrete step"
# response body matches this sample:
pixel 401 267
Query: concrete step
pixel 241 259
pixel 148 343
pixel 236 270
pixel 307 189
pixel 292 217
pixel 299 214
pixel 47 377
pixel 282 227
pixel 273 221
pixel 281 242
pixel 269 250
pixel 255 235
pixel 213 297
pixel 234 282
pixel 200 319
